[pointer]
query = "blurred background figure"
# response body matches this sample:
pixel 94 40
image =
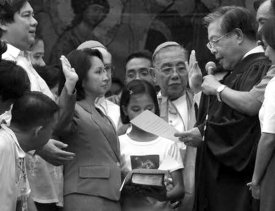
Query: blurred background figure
pixel 88 14
pixel 37 52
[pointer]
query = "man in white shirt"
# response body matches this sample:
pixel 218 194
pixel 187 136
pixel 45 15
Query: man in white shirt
pixel 33 118
pixel 18 28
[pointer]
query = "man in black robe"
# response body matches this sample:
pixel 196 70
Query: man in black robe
pixel 229 137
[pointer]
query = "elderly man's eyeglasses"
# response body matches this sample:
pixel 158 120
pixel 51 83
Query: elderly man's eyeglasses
pixel 180 69
pixel 213 42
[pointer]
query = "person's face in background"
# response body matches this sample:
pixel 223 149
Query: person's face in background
pixel 37 53
pixel 139 68
pixel 107 60
pixel 94 14
pixel 21 32
pixel 96 82
pixel 139 103
pixel 263 14
pixel 226 45
pixel 171 72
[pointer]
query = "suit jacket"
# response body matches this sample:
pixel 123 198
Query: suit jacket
pixel 96 168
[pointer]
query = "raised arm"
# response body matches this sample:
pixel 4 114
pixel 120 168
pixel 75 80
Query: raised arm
pixel 67 99
pixel 53 151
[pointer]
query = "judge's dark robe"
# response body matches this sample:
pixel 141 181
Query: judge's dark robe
pixel 226 158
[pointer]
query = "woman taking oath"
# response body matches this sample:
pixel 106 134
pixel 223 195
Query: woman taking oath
pixel 92 180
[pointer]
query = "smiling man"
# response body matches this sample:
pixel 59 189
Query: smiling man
pixel 17 28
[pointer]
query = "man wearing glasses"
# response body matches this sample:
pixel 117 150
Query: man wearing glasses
pixel 177 104
pixel 230 136
pixel 138 66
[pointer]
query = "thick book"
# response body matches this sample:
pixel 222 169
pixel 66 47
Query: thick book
pixel 147 182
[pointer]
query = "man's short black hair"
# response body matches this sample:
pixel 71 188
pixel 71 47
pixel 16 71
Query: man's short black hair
pixel 139 54
pixel 14 81
pixel 234 17
pixel 7 10
pixel 33 109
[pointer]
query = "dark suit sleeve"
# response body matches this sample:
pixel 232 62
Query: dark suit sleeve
pixel 66 113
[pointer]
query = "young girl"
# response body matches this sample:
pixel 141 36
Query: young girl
pixel 140 149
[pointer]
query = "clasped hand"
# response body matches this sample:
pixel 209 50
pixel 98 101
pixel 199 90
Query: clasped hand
pixel 210 85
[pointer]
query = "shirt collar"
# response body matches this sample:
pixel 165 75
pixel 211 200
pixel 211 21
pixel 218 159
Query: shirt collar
pixel 20 151
pixel 13 51
pixel 258 49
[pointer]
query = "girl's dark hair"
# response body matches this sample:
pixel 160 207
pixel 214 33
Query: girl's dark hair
pixel 80 60
pixel 133 88
pixel 268 32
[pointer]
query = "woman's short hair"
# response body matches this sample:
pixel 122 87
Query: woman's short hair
pixel 14 81
pixel 268 32
pixel 80 60
pixel 137 87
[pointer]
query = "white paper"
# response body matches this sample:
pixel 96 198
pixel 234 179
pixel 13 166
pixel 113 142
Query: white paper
pixel 152 123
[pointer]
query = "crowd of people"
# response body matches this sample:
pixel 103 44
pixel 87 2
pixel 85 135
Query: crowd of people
pixel 66 137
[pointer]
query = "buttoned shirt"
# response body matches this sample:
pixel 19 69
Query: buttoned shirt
pixel 14 183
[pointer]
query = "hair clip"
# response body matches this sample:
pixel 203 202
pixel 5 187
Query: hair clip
pixel 131 92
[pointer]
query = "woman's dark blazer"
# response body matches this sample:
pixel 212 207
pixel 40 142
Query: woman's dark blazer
pixel 95 170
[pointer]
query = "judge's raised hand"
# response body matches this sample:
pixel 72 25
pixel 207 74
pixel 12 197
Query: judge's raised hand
pixel 194 73
pixel 210 85
pixel 69 73
pixel 191 137
pixel 53 153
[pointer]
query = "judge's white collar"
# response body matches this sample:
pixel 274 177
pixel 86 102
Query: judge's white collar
pixel 258 49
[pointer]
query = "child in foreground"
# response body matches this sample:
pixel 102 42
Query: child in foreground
pixel 31 127
pixel 143 150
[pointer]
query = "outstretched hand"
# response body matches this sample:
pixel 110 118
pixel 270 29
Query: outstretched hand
pixel 191 138
pixel 69 73
pixel 53 153
pixel 194 73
